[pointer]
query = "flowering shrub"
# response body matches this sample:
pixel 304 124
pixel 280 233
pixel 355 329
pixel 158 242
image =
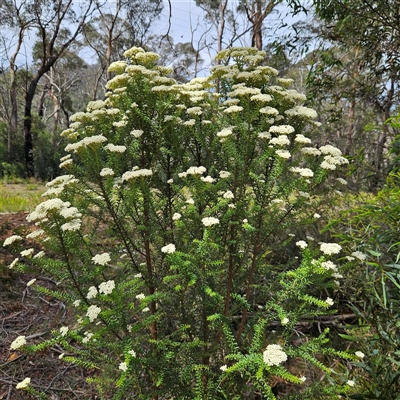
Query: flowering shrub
pixel 169 234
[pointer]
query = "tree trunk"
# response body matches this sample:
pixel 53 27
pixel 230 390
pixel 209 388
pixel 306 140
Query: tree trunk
pixel 28 142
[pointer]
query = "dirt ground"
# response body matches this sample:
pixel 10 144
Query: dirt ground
pixel 25 312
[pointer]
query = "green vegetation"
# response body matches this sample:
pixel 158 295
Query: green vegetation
pixel 22 196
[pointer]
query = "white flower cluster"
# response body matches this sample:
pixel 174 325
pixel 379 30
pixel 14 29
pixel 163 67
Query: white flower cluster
pixel 233 109
pixel 92 293
pixel 329 265
pixel 274 355
pixel 207 179
pixel 88 336
pixel 90 141
pixel 281 140
pixel 269 111
pixel 224 133
pixel 228 195
pixel 115 149
pixel 64 330
pixel 57 185
pixel 281 129
pixel 283 153
pixel 176 217
pixel 136 173
pixel 224 174
pixel 358 254
pixel 209 221
pixel 332 158
pixel 305 172
pixel 137 133
pixel 330 248
pixel 106 172
pixel 101 259
pixel 194 110
pixel 193 171
pixel 92 312
pixel 302 139
pixel 302 112
pixel 11 240
pixel 43 210
pixel 107 287
pixel 168 249
pixel 302 244
pixel 18 342
pixel 23 384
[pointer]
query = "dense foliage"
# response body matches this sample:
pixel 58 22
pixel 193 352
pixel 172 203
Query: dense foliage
pixel 172 236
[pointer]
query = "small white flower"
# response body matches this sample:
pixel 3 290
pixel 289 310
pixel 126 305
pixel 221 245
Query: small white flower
pixel 14 263
pixel 329 265
pixel 359 354
pixel 285 321
pixel 76 303
pixel 106 172
pixel 224 174
pixel 189 201
pixel 233 109
pixel 329 301
pixel 224 133
pixel 316 216
pixel 139 275
pixel 223 368
pixel 123 366
pixel 207 179
pixel 196 170
pixel 92 293
pixel 92 312
pixel 358 254
pixel 137 133
pixel 88 336
pixel 281 140
pixel 303 379
pixel 64 330
pixel 140 296
pixel 11 239
pixel 146 309
pixel 168 249
pixel 176 217
pixel 274 355
pixel 25 383
pixel 101 259
pixel 39 255
pixel 302 244
pixel 209 221
pixel 283 154
pixel 350 383
pixel 27 253
pixel 330 248
pixel 132 353
pixel 18 342
pixel 228 195
pixel 107 287
pixel 170 181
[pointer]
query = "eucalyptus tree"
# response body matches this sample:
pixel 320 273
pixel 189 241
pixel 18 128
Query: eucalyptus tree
pixel 359 67
pixel 56 24
pixel 115 27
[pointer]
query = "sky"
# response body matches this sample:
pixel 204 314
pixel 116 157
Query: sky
pixel 187 17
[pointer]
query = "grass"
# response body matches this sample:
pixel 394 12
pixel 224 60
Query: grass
pixel 16 197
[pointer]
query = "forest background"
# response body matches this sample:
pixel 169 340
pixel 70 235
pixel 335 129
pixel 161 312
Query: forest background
pixel 343 55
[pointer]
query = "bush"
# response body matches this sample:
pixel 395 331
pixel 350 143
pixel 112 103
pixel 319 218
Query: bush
pixel 169 235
